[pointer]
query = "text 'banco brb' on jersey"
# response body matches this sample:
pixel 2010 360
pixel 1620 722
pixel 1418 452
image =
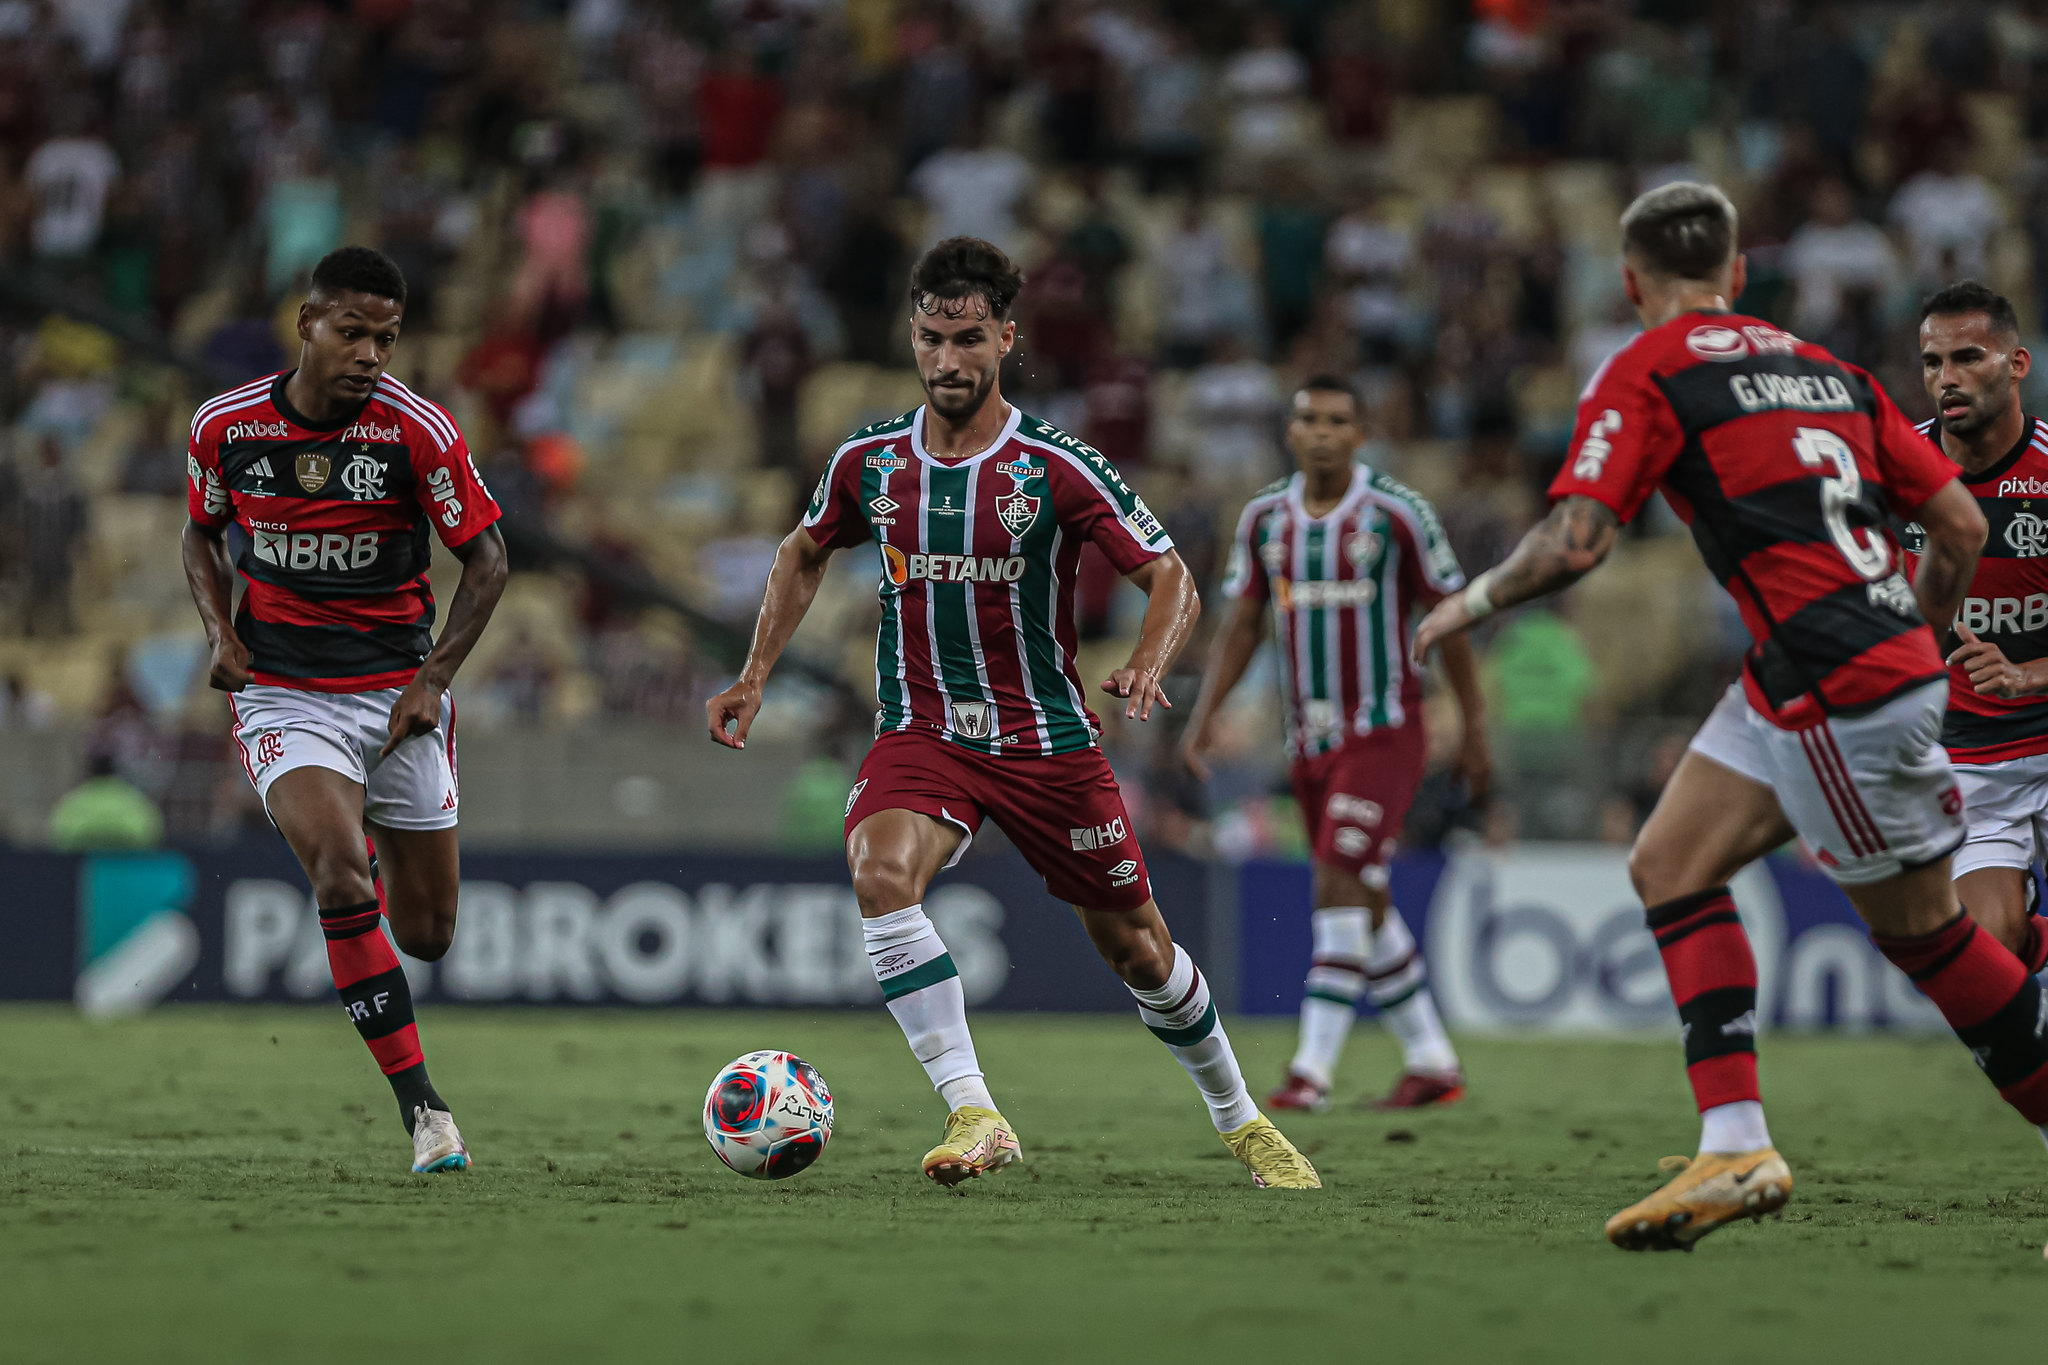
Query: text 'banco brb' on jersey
pixel 978 564
pixel 331 522
pixel 1787 464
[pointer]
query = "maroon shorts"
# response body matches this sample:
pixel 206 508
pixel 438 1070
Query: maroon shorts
pixel 1355 797
pixel 1063 812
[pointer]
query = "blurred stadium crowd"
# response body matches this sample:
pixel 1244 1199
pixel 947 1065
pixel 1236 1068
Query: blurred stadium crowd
pixel 657 253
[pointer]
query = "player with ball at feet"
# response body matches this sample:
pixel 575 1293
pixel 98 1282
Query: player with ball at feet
pixel 980 512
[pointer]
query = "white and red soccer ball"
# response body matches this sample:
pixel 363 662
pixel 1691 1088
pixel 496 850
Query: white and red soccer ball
pixel 768 1115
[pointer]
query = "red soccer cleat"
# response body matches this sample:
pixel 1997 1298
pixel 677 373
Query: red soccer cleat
pixel 1299 1092
pixel 1419 1090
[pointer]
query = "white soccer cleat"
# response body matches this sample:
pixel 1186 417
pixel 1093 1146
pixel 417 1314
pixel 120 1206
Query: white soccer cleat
pixel 436 1145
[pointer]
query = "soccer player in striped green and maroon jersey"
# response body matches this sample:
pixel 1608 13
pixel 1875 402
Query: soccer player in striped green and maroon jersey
pixel 1342 555
pixel 980 512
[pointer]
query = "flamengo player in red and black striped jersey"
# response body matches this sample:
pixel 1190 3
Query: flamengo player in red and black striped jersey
pixel 1996 731
pixel 326 479
pixel 1787 464
pixel 978 512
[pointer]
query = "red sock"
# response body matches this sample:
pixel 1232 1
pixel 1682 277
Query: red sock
pixel 1713 980
pixel 372 984
pixel 1990 999
pixel 2033 953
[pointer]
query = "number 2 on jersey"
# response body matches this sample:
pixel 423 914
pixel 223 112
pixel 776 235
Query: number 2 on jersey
pixel 1841 486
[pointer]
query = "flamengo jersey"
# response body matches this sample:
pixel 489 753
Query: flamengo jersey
pixel 1787 464
pixel 1342 587
pixel 978 559
pixel 2008 602
pixel 335 517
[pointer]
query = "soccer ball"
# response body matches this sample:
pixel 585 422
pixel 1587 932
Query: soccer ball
pixel 768 1115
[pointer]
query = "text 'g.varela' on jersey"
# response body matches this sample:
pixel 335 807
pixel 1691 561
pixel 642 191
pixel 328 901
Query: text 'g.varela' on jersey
pixel 1788 465
pixel 978 564
pixel 331 528
pixel 2007 603
pixel 1342 588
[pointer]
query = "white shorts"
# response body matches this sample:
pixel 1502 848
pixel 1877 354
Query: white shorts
pixel 1872 795
pixel 2006 808
pixel 282 728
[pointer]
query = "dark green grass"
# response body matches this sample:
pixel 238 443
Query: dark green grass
pixel 231 1186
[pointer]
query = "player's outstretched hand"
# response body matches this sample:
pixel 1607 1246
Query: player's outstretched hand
pixel 1141 688
pixel 1447 617
pixel 1991 673
pixel 416 712
pixel 738 704
pixel 229 671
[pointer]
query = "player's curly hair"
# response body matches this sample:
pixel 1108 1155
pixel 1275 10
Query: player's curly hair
pixel 1685 230
pixel 359 270
pixel 960 269
pixel 1968 296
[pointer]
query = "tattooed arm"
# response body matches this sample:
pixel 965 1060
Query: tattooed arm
pixel 1560 550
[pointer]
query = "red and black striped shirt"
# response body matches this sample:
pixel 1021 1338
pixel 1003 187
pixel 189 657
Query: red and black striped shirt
pixel 330 528
pixel 2007 603
pixel 1787 464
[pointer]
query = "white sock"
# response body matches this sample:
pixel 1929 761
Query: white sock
pixel 1185 1018
pixel 1398 987
pixel 922 990
pixel 1737 1127
pixel 1336 978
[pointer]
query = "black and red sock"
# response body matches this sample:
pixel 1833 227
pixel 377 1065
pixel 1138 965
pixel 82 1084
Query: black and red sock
pixel 1713 980
pixel 374 993
pixel 1990 999
pixel 2033 953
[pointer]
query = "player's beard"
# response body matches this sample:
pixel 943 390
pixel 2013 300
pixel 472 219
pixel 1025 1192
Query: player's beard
pixel 960 405
pixel 1974 418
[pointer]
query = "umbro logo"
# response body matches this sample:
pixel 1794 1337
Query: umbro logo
pixel 1124 873
pixel 881 507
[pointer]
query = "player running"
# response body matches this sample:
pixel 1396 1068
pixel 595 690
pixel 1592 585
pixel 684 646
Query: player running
pixel 331 474
pixel 980 512
pixel 1343 554
pixel 1996 731
pixel 1785 463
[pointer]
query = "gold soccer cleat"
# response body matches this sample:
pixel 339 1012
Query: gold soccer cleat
pixel 977 1141
pixel 1270 1157
pixel 1711 1189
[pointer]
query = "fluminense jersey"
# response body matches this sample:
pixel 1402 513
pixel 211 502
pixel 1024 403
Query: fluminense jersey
pixel 1342 588
pixel 2007 602
pixel 1789 466
pixel 978 564
pixel 331 524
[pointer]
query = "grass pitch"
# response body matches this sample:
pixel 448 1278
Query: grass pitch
pixel 231 1186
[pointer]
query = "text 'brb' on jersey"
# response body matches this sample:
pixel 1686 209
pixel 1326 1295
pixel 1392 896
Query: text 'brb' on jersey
pixel 332 524
pixel 2007 602
pixel 1788 465
pixel 1342 587
pixel 978 563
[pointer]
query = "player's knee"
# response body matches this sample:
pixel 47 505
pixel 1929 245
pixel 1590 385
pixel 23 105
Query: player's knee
pixel 428 941
pixel 884 882
pixel 1142 959
pixel 1660 872
pixel 340 875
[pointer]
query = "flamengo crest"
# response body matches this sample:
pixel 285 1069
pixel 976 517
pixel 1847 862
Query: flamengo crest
pixel 1017 511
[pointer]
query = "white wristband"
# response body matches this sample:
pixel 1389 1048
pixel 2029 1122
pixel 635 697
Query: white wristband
pixel 1478 605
